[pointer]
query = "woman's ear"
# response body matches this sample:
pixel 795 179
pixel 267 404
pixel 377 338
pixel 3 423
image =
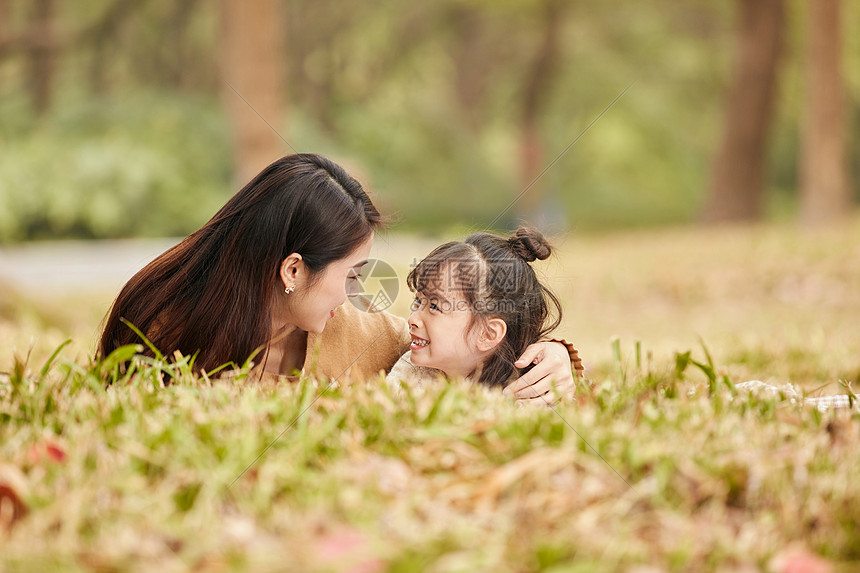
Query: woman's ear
pixel 292 269
pixel 492 334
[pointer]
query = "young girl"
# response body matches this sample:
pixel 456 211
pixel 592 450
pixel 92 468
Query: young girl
pixel 478 305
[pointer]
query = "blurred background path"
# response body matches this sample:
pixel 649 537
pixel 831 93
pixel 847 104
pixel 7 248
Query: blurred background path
pixel 64 267
pixel 53 268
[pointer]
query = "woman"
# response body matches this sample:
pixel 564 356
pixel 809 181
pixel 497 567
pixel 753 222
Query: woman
pixel 268 271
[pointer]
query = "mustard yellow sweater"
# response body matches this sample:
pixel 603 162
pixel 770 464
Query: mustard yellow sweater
pixel 356 345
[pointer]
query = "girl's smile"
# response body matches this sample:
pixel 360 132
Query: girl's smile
pixel 418 343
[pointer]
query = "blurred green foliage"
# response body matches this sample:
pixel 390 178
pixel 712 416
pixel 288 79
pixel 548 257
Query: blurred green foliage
pixel 139 165
pixel 424 103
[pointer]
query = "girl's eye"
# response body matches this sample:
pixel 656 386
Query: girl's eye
pixel 418 304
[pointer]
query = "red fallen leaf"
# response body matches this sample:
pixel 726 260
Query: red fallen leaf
pixel 46 449
pixel 55 452
pixel 335 545
pixel 349 549
pixel 12 508
pixel 799 560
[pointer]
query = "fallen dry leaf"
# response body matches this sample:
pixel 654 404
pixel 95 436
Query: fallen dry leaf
pixel 349 550
pixel 12 486
pixel 47 449
pixel 799 560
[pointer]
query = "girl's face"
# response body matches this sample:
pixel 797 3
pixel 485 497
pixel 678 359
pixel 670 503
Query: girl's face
pixel 313 304
pixel 441 337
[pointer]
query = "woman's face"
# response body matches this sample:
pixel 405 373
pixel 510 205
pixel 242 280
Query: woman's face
pixel 314 303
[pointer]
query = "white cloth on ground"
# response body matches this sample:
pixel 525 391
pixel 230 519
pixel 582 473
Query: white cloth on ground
pixel 823 403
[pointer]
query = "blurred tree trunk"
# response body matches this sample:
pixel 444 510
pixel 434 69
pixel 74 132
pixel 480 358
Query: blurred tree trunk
pixel 538 86
pixel 251 58
pixel 736 190
pixel 470 72
pixel 4 17
pixel 103 34
pixel 180 71
pixel 4 28
pixel 42 55
pixel 824 185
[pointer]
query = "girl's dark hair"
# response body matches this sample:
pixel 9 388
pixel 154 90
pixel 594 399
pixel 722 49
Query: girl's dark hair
pixel 214 292
pixel 495 278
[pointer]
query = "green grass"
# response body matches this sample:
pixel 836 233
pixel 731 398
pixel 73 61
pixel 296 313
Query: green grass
pixel 658 463
pixel 663 469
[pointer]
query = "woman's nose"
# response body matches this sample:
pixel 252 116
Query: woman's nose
pixel 353 288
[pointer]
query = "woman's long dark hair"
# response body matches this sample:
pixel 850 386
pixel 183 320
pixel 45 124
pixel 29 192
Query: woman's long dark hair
pixel 213 293
pixel 494 276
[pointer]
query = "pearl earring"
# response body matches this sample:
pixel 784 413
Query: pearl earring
pixel 290 289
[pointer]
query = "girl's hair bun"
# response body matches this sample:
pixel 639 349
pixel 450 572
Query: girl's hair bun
pixel 529 244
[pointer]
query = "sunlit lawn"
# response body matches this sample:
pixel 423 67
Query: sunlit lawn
pixel 652 465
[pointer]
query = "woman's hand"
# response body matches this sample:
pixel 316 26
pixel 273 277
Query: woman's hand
pixel 551 371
